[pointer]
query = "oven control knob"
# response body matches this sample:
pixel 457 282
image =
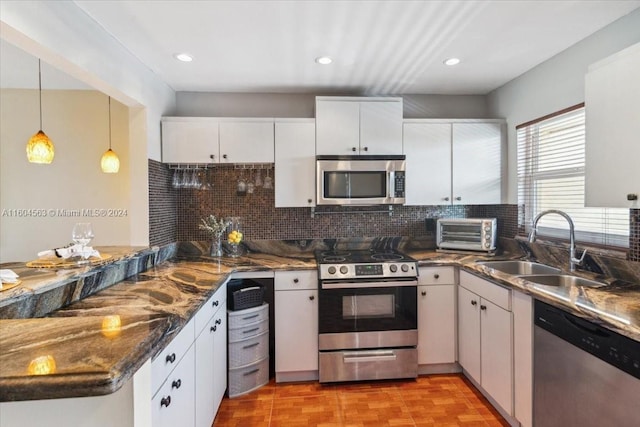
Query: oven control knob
pixel 405 267
pixel 344 269
pixel 393 268
pixel 331 270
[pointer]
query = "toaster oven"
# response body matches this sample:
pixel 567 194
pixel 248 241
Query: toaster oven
pixel 468 234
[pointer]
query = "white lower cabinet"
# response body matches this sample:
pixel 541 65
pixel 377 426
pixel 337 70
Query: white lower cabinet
pixel 173 403
pixel 436 318
pixel 211 367
pixel 296 323
pixel 485 331
pixel 522 305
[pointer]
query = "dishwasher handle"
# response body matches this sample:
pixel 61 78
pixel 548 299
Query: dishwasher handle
pixel 586 326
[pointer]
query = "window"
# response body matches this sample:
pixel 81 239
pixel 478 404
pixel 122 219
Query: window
pixel 551 156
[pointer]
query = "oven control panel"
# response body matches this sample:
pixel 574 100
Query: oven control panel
pixel 360 270
pixel 368 269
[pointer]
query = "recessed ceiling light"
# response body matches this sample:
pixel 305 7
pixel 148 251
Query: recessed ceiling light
pixel 451 61
pixel 184 57
pixel 324 60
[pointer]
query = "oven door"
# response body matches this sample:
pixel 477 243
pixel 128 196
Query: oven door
pixel 365 314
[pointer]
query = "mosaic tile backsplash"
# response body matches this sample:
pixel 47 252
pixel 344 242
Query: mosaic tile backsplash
pixel 175 214
pixel 162 205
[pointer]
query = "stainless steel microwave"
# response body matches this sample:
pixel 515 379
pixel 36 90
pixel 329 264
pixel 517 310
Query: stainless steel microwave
pixel 360 180
pixel 470 234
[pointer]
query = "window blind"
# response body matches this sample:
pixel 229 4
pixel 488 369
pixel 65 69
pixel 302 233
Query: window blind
pixel 551 157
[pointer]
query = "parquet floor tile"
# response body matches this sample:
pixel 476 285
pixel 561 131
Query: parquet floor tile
pixel 435 400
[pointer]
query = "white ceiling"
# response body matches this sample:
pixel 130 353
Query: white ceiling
pixel 378 47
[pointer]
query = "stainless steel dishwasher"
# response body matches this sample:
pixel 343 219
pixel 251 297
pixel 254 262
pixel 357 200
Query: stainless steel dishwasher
pixel 584 375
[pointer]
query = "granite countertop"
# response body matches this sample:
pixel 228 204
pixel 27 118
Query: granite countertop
pixel 90 358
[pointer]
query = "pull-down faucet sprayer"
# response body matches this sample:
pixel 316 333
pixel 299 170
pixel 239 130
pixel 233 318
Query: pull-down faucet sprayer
pixel 573 261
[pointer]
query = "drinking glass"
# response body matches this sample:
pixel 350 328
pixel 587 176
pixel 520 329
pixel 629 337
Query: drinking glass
pixel 268 181
pixel 82 234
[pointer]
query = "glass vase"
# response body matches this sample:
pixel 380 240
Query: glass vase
pixel 234 237
pixel 216 246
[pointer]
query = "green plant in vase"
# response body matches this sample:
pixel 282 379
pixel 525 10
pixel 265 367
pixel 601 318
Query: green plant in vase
pixel 215 227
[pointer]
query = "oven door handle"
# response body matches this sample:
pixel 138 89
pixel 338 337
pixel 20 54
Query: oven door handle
pixel 363 285
pixel 369 356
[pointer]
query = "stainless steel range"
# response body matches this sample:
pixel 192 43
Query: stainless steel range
pixel 368 322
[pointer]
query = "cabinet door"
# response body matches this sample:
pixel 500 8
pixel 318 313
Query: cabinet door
pixel 296 323
pixel 220 356
pixel 496 353
pixel 246 142
pixel 381 127
pixel 523 358
pixel 173 405
pixel 204 354
pixel 436 324
pixel 211 367
pixel 295 164
pixel 337 127
pixel 469 332
pixel 612 108
pixel 189 141
pixel 477 163
pixel 428 150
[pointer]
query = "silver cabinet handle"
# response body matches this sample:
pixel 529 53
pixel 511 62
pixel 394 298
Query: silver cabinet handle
pixel 369 356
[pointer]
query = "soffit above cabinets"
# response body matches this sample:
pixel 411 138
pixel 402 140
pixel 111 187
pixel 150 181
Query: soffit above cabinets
pixel 377 47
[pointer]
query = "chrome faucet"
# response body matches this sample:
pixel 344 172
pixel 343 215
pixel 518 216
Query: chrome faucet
pixel 573 261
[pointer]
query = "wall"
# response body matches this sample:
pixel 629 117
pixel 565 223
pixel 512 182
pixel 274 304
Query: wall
pixel 208 104
pixel 556 84
pixel 78 124
pixel 64 36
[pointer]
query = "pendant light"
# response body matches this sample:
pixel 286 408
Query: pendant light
pixel 110 163
pixel 40 148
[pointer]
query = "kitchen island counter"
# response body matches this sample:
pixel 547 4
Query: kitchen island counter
pixel 92 357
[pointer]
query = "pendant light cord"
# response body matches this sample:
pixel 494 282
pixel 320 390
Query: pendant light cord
pixel 109 123
pixel 40 87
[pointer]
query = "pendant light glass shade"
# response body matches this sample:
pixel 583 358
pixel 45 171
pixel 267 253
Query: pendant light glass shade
pixel 40 148
pixel 110 163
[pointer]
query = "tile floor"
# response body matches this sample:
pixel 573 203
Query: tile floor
pixel 436 400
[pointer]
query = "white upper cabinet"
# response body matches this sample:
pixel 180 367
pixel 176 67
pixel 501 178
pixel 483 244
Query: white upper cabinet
pixel 612 107
pixel 352 125
pixel 381 127
pixel 427 147
pixel 246 141
pixel 477 160
pixel 295 163
pixel 453 162
pixel 217 140
pixel 189 140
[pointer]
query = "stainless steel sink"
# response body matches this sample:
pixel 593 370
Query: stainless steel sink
pixel 562 280
pixel 520 268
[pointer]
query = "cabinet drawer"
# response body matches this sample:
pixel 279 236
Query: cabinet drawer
pixel 248 378
pixel 210 308
pixel 436 276
pixel 168 359
pixel 248 351
pixel 487 290
pixel 175 397
pixel 295 280
pixel 248 331
pixel 242 318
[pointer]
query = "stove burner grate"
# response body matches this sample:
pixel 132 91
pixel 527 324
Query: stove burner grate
pixel 387 257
